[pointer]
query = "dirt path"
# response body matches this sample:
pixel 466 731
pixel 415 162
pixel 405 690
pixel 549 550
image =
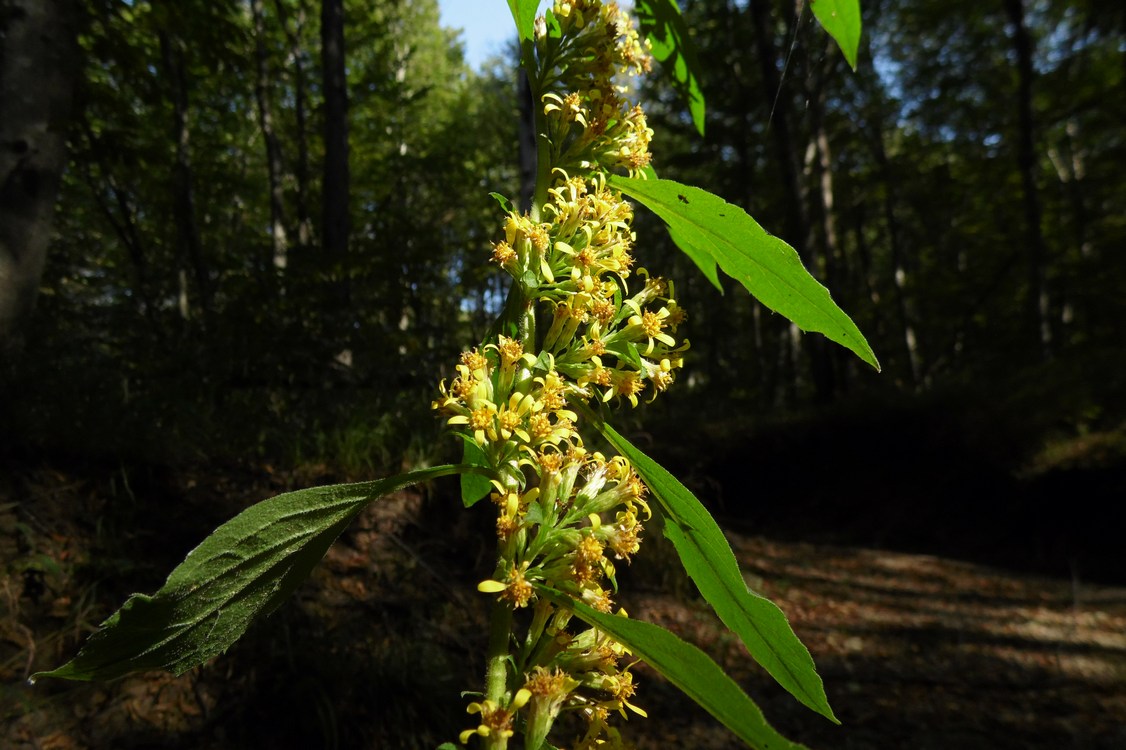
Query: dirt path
pixel 923 652
pixel 916 651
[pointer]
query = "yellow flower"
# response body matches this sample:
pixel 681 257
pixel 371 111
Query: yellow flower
pixel 624 383
pixel 495 721
pixel 504 255
pixel 515 589
pixel 480 421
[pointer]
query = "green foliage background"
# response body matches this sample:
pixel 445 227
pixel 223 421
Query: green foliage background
pixel 898 185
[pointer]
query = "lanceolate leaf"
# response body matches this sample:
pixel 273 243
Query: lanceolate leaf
pixel 524 14
pixel 246 568
pixel 713 232
pixel 661 23
pixel 708 559
pixel 687 667
pixel 841 18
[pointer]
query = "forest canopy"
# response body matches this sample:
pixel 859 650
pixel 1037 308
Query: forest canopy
pixel 273 224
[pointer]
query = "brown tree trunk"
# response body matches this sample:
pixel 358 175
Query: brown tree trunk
pixel 1030 199
pixel 183 193
pixel 38 70
pixel 335 224
pixel 278 239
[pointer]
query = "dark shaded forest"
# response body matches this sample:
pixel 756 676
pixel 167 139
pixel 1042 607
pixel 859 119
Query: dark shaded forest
pixel 242 241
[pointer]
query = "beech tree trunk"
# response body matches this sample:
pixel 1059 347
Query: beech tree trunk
pixel 38 69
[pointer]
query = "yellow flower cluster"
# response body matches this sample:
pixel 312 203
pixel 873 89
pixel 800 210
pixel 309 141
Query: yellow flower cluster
pixel 590 123
pixel 606 340
pixel 594 329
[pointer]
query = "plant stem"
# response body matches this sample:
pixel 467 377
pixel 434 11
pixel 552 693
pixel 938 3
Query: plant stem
pixel 496 665
pixel 500 621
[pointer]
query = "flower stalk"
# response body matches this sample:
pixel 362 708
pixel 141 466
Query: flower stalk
pixel 566 516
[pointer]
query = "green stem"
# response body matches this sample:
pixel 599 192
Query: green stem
pixel 496 665
pixel 500 621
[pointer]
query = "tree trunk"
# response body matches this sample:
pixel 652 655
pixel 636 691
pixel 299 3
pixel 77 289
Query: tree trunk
pixel 904 304
pixel 38 70
pixel 335 224
pixel 300 92
pixel 797 226
pixel 796 231
pixel 183 193
pixel 526 134
pixel 1026 162
pixel 827 375
pixel 278 239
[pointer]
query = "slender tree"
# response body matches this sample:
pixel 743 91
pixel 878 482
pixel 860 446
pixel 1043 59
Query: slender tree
pixel 1027 164
pixel 298 59
pixel 183 189
pixel 262 84
pixel 336 226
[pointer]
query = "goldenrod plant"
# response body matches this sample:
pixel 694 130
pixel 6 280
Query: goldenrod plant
pixel 585 330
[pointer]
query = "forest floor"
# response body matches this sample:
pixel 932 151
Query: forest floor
pixel 916 651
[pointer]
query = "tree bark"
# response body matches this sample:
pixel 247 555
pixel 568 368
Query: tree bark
pixel 38 71
pixel 183 194
pixel 1026 162
pixel 278 239
pixel 335 223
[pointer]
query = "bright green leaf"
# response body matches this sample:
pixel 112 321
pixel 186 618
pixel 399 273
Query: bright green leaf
pixel 661 23
pixel 713 232
pixel 524 14
pixel 709 561
pixel 246 568
pixel 687 667
pixel 841 18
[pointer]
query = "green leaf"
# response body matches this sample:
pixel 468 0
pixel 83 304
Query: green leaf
pixel 687 667
pixel 713 232
pixel 245 569
pixel 661 23
pixel 841 18
pixel 505 204
pixel 473 486
pixel 524 14
pixel 709 561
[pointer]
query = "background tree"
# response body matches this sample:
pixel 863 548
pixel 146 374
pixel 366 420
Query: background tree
pixel 38 63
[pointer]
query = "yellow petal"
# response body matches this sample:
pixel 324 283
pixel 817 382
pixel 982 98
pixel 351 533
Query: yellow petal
pixel 491 587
